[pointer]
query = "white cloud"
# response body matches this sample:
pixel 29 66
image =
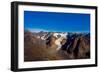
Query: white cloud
pixel 36 30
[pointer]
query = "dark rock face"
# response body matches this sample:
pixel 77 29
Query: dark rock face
pixel 76 46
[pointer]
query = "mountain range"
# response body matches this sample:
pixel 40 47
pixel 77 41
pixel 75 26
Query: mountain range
pixel 44 46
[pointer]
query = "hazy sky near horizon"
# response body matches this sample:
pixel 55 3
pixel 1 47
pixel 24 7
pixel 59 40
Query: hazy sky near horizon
pixel 57 22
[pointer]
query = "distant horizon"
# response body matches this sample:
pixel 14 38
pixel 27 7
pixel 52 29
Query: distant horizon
pixel 56 22
pixel 54 31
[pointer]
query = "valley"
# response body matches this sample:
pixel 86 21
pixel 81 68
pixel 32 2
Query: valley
pixel 45 46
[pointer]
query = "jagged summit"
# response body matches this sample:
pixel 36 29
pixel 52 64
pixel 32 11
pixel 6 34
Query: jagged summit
pixel 56 45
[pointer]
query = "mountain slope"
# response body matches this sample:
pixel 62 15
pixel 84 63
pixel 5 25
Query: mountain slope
pixel 72 46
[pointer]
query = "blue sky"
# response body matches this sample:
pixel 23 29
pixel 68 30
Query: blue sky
pixel 57 22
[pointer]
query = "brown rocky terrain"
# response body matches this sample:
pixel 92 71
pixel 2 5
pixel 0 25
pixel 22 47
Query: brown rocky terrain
pixel 76 46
